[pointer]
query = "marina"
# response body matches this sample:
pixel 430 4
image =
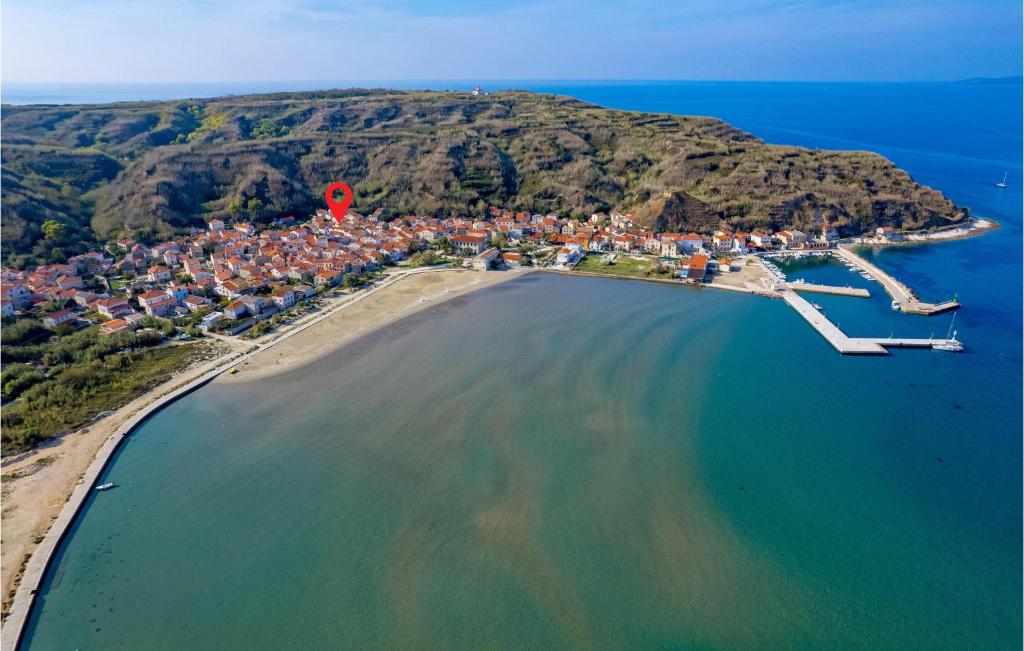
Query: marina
pixel 860 345
pixel 903 297
pixel 903 300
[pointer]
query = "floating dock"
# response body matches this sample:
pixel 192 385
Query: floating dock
pixel 901 294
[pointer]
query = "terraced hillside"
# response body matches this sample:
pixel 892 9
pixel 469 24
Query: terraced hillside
pixel 152 169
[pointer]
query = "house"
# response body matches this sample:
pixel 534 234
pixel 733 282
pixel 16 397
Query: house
pixel 670 245
pixel 69 282
pixel 57 318
pixel 327 278
pixel 15 291
pixel 283 297
pixel 113 308
pixel 792 239
pixel 484 261
pixel 567 256
pixel 235 310
pixel 696 268
pixel 691 243
pixel 177 292
pixel 512 259
pixel 889 234
pixel 157 303
pixel 229 289
pixel 256 305
pixel 159 274
pixel 196 303
pixel 116 325
pixel 474 244
pixel 760 238
pixel 209 320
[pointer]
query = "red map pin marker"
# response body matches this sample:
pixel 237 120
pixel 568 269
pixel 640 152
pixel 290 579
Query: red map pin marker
pixel 338 208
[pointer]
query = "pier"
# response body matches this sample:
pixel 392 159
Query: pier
pixel 828 330
pixel 900 293
pixel 829 289
pixel 851 345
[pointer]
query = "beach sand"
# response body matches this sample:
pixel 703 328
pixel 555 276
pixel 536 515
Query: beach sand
pixel 38 483
pixel 411 294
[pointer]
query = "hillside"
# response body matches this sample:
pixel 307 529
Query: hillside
pixel 154 168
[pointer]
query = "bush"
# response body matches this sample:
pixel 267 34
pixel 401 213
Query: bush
pixel 17 378
pixel 424 259
pixel 23 331
pixel 164 326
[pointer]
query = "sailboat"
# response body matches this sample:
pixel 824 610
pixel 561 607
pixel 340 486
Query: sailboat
pixel 1002 184
pixel 950 344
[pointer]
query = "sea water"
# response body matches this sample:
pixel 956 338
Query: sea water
pixel 581 462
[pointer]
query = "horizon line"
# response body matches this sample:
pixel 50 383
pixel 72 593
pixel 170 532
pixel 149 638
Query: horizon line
pixel 1017 77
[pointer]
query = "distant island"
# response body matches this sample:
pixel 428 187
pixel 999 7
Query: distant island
pixel 75 177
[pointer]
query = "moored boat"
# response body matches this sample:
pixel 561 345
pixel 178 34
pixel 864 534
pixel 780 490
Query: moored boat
pixel 951 343
pixel 107 486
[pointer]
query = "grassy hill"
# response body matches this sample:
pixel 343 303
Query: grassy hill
pixel 155 168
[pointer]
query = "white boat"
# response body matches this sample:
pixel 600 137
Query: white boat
pixel 951 344
pixel 107 486
pixel 896 305
pixel 1002 184
pixel 817 307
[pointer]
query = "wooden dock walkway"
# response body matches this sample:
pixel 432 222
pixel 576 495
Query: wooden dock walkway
pixel 903 295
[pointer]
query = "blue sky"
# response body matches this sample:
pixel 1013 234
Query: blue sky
pixel 302 40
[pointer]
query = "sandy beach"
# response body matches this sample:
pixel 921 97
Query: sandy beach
pixel 38 483
pixel 411 294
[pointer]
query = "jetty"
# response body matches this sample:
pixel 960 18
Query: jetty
pixel 851 345
pixel 859 292
pixel 901 295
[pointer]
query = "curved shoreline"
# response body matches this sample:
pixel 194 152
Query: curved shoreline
pixel 42 557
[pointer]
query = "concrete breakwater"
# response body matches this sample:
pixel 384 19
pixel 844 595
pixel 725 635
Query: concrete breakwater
pixel 902 295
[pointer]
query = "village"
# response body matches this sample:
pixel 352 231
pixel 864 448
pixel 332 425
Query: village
pixel 230 277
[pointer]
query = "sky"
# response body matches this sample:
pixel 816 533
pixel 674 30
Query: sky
pixel 307 40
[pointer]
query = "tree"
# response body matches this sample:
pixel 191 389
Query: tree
pixel 254 207
pixel 444 244
pixel 53 230
pixel 424 259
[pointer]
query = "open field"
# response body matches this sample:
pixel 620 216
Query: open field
pixel 624 265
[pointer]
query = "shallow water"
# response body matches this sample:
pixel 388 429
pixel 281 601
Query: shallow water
pixel 574 462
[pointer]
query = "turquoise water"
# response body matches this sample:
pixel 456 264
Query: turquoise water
pixel 579 462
